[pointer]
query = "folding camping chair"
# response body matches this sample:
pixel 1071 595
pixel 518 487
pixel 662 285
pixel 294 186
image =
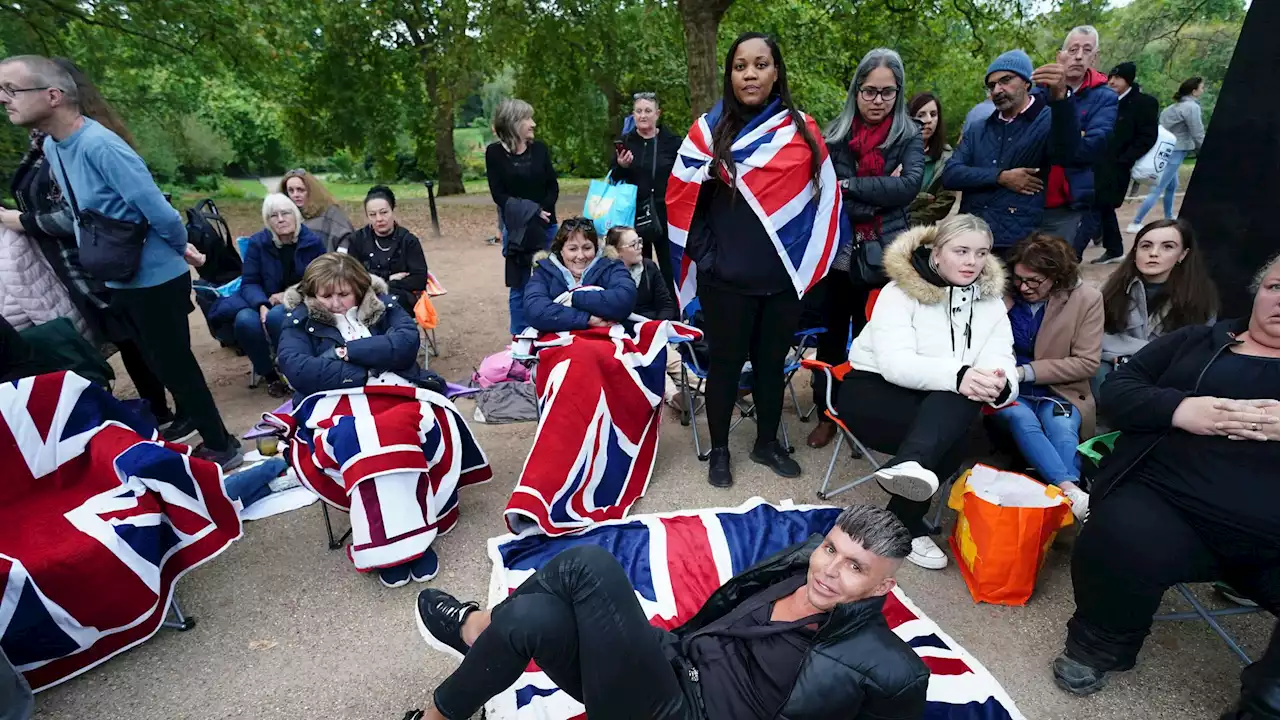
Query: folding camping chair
pixel 805 340
pixel 227 289
pixel 1095 449
pixel 860 450
pixel 434 289
pixel 180 622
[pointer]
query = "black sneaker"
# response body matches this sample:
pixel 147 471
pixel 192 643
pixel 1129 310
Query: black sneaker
pixel 1076 677
pixel 228 459
pixel 719 473
pixel 1107 259
pixel 179 431
pixel 777 458
pixel 440 618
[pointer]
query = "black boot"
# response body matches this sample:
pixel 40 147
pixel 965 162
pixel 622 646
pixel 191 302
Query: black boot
pixel 777 458
pixel 718 472
pixel 1077 678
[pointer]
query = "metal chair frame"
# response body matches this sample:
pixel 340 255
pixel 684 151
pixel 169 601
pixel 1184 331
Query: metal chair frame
pixel 695 402
pixel 1200 612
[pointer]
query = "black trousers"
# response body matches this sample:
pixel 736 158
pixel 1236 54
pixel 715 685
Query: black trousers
pixel 1136 546
pixel 738 327
pixel 1112 241
pixel 146 382
pixel 927 427
pixel 843 310
pixel 157 317
pixel 657 244
pixel 579 618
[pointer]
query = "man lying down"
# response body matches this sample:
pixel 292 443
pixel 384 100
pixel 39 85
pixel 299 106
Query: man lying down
pixel 799 635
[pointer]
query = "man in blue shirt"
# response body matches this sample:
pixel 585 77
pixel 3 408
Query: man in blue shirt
pixel 100 172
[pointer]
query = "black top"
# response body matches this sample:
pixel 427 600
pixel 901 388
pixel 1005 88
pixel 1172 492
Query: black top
pixel 1230 482
pixel 654 299
pixel 747 663
pixel 528 175
pixel 731 246
pixel 401 251
pixel 286 252
pixel 650 167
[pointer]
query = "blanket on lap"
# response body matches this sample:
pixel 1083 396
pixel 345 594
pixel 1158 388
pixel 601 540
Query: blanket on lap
pixel 98 520
pixel 392 456
pixel 600 396
pixel 676 560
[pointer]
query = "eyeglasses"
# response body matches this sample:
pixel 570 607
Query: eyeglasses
pixel 1002 81
pixel 12 92
pixel 297 171
pixel 633 245
pixel 1031 283
pixel 870 93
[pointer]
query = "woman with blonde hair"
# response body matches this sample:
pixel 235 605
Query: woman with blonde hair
pixel 320 211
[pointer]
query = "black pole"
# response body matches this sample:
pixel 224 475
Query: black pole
pixel 431 197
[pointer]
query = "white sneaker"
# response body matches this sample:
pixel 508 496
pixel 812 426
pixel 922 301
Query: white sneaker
pixel 1079 502
pixel 1133 228
pixel 909 480
pixel 926 553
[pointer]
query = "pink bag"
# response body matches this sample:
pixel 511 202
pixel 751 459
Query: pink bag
pixel 499 367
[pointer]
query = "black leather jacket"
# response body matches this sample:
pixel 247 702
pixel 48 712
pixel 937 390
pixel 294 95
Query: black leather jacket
pixel 856 668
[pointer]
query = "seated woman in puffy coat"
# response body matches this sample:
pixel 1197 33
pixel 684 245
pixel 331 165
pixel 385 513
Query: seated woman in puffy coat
pixel 576 286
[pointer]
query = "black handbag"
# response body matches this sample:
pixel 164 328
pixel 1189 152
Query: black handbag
pixel 866 263
pixel 110 249
pixel 648 223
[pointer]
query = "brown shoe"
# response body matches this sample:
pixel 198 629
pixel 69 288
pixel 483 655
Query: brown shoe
pixel 822 435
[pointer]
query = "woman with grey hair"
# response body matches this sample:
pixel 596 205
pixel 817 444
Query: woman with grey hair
pixel 523 184
pixel 878 155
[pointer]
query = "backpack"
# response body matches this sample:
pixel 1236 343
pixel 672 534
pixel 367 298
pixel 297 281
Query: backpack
pixel 209 233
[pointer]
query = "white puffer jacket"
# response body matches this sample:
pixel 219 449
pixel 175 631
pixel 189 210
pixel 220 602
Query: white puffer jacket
pixel 921 335
pixel 30 292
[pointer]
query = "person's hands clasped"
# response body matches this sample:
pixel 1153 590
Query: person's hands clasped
pixel 1257 420
pixel 1023 181
pixel 981 385
pixel 194 257
pixel 625 158
pixel 1204 415
pixel 598 322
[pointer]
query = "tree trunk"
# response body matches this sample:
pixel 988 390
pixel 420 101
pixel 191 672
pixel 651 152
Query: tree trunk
pixel 701 20
pixel 448 172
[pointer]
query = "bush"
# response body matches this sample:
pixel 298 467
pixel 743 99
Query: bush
pixel 158 148
pixel 204 152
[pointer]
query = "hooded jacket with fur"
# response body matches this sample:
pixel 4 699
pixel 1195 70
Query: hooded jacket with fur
pixel 922 335
pixel 544 309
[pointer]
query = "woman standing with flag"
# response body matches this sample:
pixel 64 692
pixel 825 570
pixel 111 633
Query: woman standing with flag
pixel 754 224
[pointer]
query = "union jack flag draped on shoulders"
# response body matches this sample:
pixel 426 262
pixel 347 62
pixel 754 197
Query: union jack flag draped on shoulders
pixel 774 178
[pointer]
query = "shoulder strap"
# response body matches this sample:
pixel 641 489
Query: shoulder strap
pixel 653 172
pixel 71 192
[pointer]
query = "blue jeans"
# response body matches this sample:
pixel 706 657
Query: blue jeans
pixel 250 486
pixel 256 342
pixel 1167 184
pixel 1048 441
pixel 515 296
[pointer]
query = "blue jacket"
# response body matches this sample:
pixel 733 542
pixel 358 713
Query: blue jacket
pixel 305 354
pixel 550 279
pixel 263 272
pixel 1046 134
pixel 1096 107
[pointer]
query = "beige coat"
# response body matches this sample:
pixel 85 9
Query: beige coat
pixel 1069 349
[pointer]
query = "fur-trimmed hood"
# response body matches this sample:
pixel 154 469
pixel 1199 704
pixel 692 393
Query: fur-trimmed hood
pixel 991 281
pixel 372 305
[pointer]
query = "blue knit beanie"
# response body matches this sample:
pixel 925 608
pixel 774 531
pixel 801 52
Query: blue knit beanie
pixel 1014 61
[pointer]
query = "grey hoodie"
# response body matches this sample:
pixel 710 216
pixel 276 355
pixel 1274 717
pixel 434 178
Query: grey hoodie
pixel 1184 120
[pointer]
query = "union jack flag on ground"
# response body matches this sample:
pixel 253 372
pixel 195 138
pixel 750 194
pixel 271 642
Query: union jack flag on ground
pixel 774 178
pixel 97 523
pixel 593 453
pixel 676 560
pixel 394 457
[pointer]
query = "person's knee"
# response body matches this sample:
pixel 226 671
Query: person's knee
pixel 247 321
pixel 587 556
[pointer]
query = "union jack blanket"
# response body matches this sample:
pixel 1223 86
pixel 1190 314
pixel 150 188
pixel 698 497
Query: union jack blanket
pixel 774 178
pixel 393 456
pixel 676 560
pixel 599 397
pixel 98 520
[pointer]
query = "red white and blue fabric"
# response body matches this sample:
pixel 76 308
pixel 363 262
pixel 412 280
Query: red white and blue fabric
pixel 676 560
pixel 98 520
pixel 599 396
pixel 394 457
pixel 774 178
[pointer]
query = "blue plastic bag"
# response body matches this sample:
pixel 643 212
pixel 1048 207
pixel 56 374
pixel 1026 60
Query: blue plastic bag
pixel 609 204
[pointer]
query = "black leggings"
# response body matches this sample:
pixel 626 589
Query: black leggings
pixel 843 308
pixel 145 382
pixel 1136 546
pixel 579 618
pixel 927 427
pixel 737 327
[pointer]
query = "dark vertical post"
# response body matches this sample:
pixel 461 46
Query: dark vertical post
pixel 431 197
pixel 1231 199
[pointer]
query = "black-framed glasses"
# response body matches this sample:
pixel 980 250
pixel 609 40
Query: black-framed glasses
pixel 1031 283
pixel 871 93
pixel 633 245
pixel 12 92
pixel 1002 81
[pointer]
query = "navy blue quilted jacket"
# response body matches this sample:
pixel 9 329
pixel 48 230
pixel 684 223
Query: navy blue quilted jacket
pixel 1046 134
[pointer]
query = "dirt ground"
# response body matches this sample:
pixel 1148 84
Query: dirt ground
pixel 286 629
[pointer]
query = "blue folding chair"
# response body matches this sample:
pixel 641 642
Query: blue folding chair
pixel 227 289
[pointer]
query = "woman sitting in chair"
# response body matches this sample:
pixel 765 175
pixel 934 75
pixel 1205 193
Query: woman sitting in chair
pixel 937 348
pixel 653 298
pixel 1057 335
pixel 1189 494
pixel 389 251
pixel 574 286
pixel 346 339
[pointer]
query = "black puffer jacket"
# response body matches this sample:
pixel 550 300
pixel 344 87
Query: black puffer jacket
pixel 886 196
pixel 856 668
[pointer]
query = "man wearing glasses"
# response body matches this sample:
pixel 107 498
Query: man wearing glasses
pixel 1003 162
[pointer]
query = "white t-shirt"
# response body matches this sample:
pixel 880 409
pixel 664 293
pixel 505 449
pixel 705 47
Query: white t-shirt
pixel 352 329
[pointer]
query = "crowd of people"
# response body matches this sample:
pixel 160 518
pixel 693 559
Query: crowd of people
pixel 946 320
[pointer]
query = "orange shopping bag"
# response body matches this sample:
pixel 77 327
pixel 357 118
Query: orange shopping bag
pixel 1007 522
pixel 425 312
